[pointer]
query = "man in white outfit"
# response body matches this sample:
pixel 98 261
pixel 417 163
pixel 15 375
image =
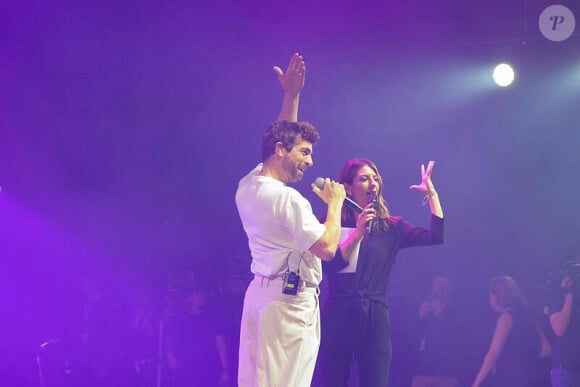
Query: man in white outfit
pixel 280 330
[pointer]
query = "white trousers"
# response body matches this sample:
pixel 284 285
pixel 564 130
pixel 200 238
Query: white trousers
pixel 279 335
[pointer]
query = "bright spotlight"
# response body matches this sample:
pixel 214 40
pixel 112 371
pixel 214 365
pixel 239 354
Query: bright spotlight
pixel 503 75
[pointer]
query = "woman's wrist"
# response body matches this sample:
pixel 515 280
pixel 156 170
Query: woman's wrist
pixel 429 195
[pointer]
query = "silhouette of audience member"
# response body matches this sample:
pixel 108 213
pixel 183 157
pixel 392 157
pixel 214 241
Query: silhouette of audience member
pixel 565 322
pixel 195 346
pixel 542 372
pixel 516 346
pixel 104 353
pixel 439 333
pixel 144 340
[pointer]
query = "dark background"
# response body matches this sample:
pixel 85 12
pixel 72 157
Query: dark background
pixel 126 125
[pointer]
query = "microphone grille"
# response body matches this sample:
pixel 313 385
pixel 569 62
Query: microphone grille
pixel 319 182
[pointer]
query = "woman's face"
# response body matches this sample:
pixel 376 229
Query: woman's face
pixel 365 184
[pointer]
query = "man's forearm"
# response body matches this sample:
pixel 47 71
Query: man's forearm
pixel 332 224
pixel 289 110
pixel 325 248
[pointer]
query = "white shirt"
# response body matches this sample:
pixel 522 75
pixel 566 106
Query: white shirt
pixel 280 225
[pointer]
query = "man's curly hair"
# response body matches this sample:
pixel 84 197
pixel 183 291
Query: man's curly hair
pixel 287 133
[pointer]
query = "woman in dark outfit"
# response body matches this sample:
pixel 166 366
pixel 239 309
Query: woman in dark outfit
pixel 514 352
pixel 356 319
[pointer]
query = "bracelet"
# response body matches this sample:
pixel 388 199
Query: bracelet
pixel 428 196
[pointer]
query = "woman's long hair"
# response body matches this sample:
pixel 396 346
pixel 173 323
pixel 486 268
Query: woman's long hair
pixel 506 291
pixel 347 175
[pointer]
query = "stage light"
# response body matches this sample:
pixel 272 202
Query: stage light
pixel 503 75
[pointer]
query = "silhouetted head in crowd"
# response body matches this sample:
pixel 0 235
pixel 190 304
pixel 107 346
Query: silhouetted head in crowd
pixel 504 294
pixel 197 296
pixel 442 288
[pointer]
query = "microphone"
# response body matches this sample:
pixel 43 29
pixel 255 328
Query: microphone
pixel 375 200
pixel 319 182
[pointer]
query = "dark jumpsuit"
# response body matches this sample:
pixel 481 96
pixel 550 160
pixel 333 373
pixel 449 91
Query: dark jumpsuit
pixel 356 318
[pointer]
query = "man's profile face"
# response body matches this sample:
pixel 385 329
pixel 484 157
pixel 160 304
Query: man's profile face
pixel 297 161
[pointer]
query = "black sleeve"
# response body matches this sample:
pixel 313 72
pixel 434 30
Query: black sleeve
pixel 336 264
pixel 418 236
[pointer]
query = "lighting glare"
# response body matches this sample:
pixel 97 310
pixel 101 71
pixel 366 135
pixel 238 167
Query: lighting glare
pixel 503 75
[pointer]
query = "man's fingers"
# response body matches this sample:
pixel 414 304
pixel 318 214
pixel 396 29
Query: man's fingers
pixel 294 61
pixel 296 64
pixel 315 189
